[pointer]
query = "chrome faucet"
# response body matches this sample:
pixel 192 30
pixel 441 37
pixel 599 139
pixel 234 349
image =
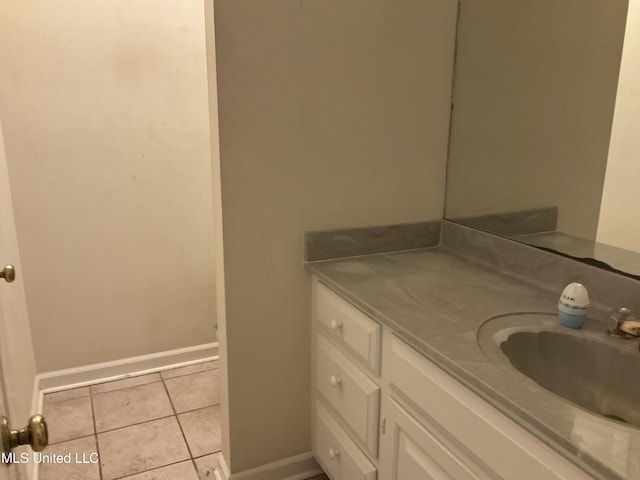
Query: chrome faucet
pixel 622 323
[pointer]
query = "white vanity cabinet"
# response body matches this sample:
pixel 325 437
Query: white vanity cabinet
pixel 382 411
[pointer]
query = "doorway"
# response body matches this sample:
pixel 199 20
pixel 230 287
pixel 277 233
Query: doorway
pixel 105 121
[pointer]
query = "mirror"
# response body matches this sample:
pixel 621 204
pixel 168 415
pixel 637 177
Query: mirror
pixel 538 120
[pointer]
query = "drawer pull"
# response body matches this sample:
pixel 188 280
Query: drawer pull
pixel 334 453
pixel 335 381
pixel 336 325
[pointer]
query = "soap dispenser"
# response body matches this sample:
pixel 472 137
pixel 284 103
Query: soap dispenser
pixel 573 305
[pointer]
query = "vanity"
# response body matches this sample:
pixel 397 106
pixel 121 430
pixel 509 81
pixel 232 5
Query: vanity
pixel 401 386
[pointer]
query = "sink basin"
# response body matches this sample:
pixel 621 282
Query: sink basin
pixel 585 367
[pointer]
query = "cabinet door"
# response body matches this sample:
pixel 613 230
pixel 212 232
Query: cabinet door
pixel 470 427
pixel 409 451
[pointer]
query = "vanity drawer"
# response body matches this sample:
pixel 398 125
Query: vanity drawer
pixel 349 326
pixel 354 396
pixel 337 453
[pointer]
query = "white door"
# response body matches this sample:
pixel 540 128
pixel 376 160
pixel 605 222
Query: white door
pixel 17 363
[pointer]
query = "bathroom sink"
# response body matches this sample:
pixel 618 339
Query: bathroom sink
pixel 585 366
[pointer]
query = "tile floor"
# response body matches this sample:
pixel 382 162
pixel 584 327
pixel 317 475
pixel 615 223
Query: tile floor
pixel 160 426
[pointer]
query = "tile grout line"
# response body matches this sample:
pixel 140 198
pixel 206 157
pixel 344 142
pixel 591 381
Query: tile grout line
pixel 169 465
pixel 122 388
pixel 137 424
pixel 193 459
pixel 152 419
pixel 150 470
pixel 195 467
pixel 185 374
pixel 95 434
pixel 162 379
pixel 199 408
pixel 71 439
pixel 66 399
pixel 193 462
pixel 207 454
pixel 128 378
pixel 184 437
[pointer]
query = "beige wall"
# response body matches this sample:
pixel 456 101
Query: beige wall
pixel 535 89
pixel 620 208
pixel 106 129
pixel 332 114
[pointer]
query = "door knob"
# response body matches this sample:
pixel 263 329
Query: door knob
pixel 35 434
pixel 8 273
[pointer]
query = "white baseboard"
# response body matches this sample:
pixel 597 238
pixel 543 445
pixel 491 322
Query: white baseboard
pixel 222 472
pixel 103 372
pixel 299 467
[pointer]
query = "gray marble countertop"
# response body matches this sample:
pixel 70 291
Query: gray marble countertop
pixel 436 301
